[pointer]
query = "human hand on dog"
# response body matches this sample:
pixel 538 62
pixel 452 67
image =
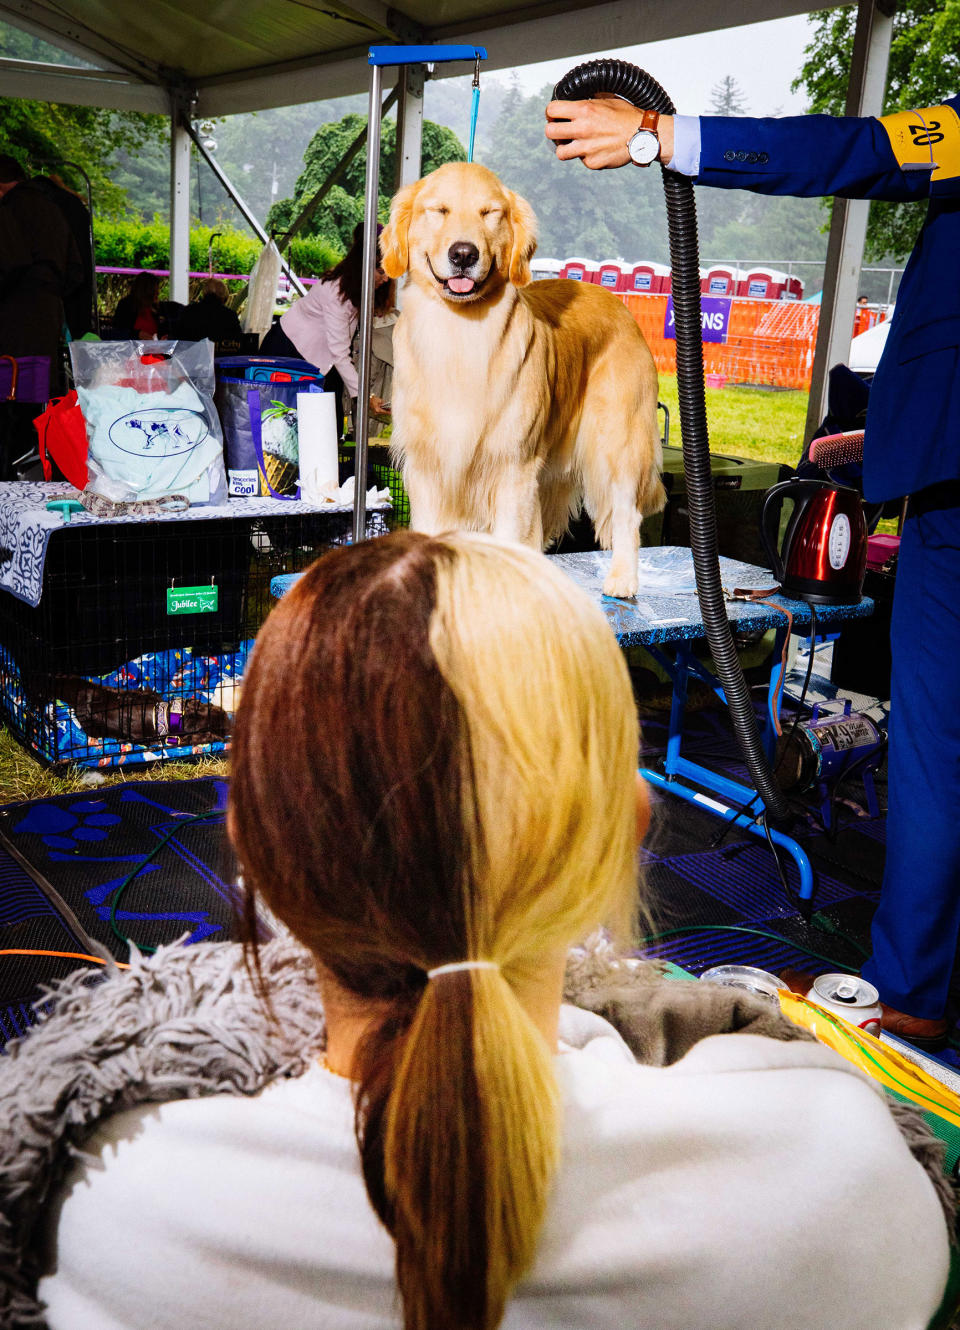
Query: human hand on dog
pixel 599 129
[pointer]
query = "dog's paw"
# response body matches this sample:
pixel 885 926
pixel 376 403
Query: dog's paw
pixel 622 585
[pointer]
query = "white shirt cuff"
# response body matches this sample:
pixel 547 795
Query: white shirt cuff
pixel 686 145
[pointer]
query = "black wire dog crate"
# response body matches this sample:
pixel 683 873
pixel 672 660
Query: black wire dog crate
pixel 136 649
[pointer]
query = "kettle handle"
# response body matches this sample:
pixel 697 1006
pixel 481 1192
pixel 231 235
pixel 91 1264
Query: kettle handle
pixel 770 522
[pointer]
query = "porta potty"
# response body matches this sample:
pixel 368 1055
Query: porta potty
pixel 721 281
pixel 763 284
pixel 579 270
pixel 544 268
pixel 649 278
pixel 610 274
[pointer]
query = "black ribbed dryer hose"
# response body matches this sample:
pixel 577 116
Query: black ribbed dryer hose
pixel 636 86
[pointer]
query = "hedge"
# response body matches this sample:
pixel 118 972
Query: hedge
pixel 125 243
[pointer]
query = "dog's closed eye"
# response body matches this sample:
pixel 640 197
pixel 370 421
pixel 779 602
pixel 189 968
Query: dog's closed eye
pixel 440 209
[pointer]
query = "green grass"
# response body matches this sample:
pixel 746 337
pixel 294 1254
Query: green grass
pixel 22 777
pixel 746 422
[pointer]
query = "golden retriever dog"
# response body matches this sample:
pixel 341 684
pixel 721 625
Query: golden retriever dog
pixel 514 403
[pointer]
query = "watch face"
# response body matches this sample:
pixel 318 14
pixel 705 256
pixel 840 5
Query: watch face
pixel 644 147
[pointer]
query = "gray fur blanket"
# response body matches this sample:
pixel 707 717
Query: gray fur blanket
pixel 189 1021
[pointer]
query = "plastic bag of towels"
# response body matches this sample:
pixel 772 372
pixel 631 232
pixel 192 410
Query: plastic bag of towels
pixel 152 427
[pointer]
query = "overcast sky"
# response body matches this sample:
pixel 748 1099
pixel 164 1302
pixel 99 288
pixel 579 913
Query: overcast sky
pixel 764 58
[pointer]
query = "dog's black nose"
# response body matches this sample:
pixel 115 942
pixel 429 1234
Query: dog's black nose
pixel 462 254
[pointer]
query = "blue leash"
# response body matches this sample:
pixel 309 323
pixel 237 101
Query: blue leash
pixel 474 108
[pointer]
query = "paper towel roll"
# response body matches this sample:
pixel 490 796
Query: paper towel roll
pixel 318 441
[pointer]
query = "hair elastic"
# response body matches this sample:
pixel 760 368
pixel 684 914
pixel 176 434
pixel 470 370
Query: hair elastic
pixel 454 966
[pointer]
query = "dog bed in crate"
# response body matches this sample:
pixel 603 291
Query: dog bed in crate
pixel 162 705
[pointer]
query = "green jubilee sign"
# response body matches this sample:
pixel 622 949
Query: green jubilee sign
pixel 192 599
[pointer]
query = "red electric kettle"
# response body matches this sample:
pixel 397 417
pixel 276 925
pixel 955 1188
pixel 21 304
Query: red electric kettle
pixel 824 554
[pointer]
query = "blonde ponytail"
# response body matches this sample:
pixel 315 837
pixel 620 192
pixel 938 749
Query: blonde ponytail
pixel 472 1135
pixel 471 1145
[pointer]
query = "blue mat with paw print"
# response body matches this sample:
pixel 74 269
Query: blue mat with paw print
pixel 144 861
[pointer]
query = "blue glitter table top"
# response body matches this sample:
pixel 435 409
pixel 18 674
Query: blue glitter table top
pixel 666 608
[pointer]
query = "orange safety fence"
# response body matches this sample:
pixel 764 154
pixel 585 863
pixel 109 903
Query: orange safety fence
pixel 769 343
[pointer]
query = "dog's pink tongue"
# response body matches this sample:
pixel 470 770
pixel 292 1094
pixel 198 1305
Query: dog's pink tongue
pixel 461 285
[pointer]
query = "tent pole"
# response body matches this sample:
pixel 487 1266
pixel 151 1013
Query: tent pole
pixel 848 222
pixel 410 124
pixel 242 208
pixel 179 198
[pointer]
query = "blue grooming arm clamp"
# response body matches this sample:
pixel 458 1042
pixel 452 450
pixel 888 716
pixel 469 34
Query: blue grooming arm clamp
pixel 423 55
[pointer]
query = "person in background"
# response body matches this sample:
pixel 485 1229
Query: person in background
pixel 40 267
pixel 210 316
pixel 862 301
pixel 137 316
pixel 79 305
pixel 319 328
pixel 466 1150
pixel 911 447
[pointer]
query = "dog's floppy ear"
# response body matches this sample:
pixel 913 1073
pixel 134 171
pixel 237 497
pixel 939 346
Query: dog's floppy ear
pixel 394 250
pixel 524 223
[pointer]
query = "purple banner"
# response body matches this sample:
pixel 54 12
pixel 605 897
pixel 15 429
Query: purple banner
pixel 714 317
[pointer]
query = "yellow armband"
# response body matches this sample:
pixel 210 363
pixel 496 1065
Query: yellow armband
pixel 926 139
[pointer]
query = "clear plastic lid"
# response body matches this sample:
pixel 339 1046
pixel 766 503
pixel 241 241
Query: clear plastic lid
pixel 747 977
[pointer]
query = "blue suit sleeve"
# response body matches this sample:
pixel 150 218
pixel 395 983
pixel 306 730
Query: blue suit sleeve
pixel 806 156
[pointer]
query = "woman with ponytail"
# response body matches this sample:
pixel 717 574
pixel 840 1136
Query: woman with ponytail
pixel 434 790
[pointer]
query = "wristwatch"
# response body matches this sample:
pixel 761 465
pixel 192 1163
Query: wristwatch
pixel 644 146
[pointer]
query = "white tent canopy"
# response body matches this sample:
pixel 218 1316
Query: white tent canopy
pixel 245 55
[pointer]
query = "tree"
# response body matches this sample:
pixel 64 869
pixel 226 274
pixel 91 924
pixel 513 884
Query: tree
pixel 343 207
pixel 726 98
pixel 44 136
pixel 924 68
pixel 597 214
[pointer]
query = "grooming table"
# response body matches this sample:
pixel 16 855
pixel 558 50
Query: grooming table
pixel 665 619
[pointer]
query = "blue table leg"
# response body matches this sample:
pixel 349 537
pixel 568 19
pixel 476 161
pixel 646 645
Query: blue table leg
pixel 678 705
pixel 742 816
pixel 738 803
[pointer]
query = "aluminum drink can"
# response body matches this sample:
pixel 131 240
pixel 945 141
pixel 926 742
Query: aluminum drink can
pixel 849 997
pixel 748 977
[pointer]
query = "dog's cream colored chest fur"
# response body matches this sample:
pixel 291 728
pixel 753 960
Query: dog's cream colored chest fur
pixel 459 405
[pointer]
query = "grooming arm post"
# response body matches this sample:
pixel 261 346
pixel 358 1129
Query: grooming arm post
pixel 362 422
pixel 377 57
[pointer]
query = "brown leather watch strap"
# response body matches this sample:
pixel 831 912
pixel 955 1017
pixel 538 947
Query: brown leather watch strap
pixel 650 120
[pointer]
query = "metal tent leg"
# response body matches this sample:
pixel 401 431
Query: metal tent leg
pixel 179 199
